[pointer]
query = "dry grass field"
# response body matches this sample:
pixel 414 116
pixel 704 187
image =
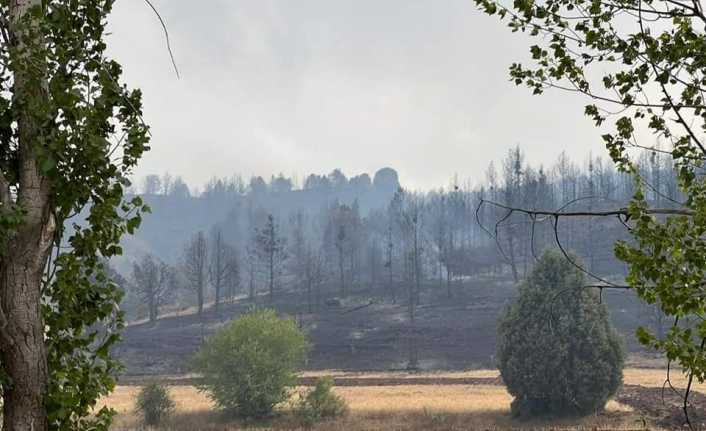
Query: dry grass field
pixel 383 401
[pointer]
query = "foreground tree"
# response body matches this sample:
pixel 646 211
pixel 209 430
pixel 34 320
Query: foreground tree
pixel 558 353
pixel 250 365
pixel 643 66
pixel 70 135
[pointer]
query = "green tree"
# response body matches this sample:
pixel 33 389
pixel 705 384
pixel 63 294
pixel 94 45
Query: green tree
pixel 154 403
pixel 320 403
pixel 250 365
pixel 642 65
pixel 70 136
pixel 557 351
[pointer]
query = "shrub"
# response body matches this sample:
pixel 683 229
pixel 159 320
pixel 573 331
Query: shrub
pixel 320 403
pixel 250 365
pixel 154 403
pixel 557 351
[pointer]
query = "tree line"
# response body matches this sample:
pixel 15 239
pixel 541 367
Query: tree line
pixel 411 242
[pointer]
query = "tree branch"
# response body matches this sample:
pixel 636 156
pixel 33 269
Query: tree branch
pixel 616 212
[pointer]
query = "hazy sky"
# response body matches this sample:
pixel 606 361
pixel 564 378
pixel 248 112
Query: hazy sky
pixel 301 86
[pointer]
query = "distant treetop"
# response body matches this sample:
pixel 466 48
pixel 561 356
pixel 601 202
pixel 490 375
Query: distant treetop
pixel 386 179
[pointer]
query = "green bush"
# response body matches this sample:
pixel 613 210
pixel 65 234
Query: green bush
pixel 557 351
pixel 320 403
pixel 250 365
pixel 154 403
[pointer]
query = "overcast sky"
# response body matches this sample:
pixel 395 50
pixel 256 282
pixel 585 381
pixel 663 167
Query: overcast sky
pixel 301 86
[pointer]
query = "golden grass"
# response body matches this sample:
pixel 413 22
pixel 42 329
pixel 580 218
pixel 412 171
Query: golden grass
pixel 378 408
pixel 402 374
pixel 654 378
pixel 409 407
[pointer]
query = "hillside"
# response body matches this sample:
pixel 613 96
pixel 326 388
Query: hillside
pixel 457 333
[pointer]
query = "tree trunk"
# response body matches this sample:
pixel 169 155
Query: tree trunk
pixel 218 296
pixel 153 308
pixel 199 292
pixel 24 356
pixel 23 352
pixel 22 349
pixel 272 278
pixel 449 278
pixel 513 264
pixel 342 274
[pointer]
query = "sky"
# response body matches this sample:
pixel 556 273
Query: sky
pixel 307 86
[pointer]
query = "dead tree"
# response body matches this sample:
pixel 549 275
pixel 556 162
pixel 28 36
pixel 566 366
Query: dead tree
pixel 152 279
pixel 270 247
pixel 196 266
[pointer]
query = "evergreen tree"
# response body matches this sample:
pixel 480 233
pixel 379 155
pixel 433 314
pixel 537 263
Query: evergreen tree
pixel 558 353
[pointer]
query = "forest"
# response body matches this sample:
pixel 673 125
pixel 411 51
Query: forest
pixel 333 235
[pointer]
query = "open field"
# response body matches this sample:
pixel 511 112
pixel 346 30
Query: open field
pixel 442 400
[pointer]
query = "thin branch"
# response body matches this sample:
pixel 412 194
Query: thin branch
pixel 166 36
pixel 687 392
pixel 668 96
pixel 616 212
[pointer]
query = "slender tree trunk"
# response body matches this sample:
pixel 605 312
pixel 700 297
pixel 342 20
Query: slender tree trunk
pixel 218 295
pixel 152 308
pixel 391 283
pixel 199 294
pixel 272 278
pixel 342 273
pixel 449 278
pixel 513 264
pixel 441 274
pixel 251 286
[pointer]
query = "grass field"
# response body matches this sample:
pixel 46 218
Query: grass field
pixel 396 405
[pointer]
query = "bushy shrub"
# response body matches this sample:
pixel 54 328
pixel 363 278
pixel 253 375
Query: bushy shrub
pixel 154 403
pixel 557 351
pixel 320 403
pixel 250 365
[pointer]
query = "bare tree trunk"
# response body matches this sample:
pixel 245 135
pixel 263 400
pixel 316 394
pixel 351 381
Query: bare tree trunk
pixel 152 308
pixel 217 287
pixel 342 272
pixel 272 277
pixel 513 264
pixel 449 279
pixel 251 286
pixel 199 297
